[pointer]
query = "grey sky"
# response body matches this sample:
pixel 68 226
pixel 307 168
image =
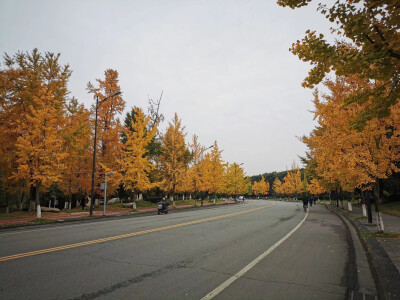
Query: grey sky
pixel 224 66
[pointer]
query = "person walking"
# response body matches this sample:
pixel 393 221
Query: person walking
pixel 305 203
pixel 83 202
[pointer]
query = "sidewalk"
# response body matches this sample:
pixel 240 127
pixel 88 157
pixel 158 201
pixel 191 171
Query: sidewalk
pixel 57 216
pixel 383 252
pixel 84 215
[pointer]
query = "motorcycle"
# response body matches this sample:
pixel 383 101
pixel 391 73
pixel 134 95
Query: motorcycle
pixel 162 209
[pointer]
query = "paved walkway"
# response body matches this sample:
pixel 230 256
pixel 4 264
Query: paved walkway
pixel 384 252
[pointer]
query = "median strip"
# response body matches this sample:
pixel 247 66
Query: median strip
pixel 122 236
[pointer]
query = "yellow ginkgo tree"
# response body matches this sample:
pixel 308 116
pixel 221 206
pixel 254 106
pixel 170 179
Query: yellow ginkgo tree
pixel 315 188
pixel 135 163
pixel 350 158
pixel 261 187
pixel 277 186
pixel 39 148
pixel 215 171
pixel 174 157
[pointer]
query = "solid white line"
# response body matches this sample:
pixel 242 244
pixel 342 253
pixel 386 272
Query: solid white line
pixel 228 282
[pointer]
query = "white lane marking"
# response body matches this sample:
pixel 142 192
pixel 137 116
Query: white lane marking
pixel 228 282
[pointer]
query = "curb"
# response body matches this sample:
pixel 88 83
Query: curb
pixel 378 261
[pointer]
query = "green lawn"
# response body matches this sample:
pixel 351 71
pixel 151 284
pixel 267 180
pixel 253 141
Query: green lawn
pixel 185 202
pixel 142 204
pixel 392 208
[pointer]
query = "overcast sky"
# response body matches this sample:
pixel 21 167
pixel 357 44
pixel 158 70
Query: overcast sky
pixel 224 66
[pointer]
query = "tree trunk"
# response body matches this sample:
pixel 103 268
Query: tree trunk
pixel 349 206
pixel 335 197
pixel 341 198
pixel 376 193
pixel 31 198
pixel 37 202
pixel 19 200
pixel 369 212
pixel 7 206
pixel 364 209
pixel 172 198
pixel 69 196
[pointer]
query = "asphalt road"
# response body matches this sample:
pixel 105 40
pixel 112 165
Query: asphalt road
pixel 182 255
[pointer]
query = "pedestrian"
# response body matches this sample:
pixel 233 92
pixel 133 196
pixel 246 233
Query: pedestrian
pixel 83 202
pixel 315 200
pixel 305 203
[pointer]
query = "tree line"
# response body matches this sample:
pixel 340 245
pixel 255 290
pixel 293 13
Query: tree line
pixel 47 136
pixel 356 143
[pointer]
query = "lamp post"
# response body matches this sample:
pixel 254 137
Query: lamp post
pixel 201 155
pixel 236 165
pixel 94 147
pixel 105 192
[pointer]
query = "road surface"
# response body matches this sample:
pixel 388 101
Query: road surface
pixel 253 250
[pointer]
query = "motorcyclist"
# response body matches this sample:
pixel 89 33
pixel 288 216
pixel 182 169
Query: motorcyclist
pixel 164 203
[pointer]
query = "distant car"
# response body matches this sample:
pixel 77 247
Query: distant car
pixel 241 198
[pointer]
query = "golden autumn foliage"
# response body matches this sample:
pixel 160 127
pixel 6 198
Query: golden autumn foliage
pixel 32 116
pixel 292 183
pixel 345 156
pixel 277 186
pixel 366 43
pixel 47 140
pixel 261 187
pixel 214 173
pixel 76 137
pixel 315 187
pixel 174 157
pixel 235 180
pixel 193 177
pixel 39 148
pixel 135 164
pixel 109 127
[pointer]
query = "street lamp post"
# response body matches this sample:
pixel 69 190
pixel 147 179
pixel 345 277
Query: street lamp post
pixel 94 147
pixel 105 192
pixel 236 165
pixel 201 153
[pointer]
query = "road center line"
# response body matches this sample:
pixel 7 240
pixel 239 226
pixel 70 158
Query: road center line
pixel 122 236
pixel 239 274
